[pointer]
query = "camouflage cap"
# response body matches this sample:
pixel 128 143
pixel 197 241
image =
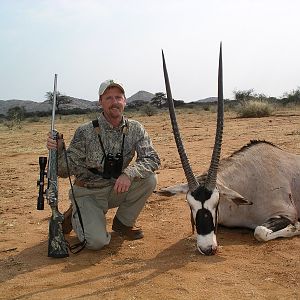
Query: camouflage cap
pixel 110 83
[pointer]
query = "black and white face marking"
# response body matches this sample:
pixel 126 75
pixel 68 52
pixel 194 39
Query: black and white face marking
pixel 204 205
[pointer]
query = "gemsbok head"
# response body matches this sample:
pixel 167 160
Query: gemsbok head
pixel 203 198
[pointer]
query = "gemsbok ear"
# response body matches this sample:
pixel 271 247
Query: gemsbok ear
pixel 231 195
pixel 173 190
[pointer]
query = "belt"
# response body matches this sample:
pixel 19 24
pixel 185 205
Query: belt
pixel 92 185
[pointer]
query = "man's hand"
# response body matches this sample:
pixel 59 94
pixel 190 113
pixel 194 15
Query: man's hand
pixel 122 184
pixel 53 144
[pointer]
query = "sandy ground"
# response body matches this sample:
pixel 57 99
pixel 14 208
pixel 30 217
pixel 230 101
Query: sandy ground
pixel 163 265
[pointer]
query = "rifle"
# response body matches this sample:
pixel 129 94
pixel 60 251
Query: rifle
pixel 57 245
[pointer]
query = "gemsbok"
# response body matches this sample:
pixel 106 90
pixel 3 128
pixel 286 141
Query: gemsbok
pixel 257 187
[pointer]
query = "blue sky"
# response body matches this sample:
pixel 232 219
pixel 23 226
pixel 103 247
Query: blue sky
pixel 88 41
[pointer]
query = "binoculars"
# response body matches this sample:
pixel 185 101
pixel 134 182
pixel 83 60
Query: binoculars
pixel 112 166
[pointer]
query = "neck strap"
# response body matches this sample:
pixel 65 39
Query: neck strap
pixel 97 129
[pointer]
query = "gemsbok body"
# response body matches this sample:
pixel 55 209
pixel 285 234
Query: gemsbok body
pixel 257 187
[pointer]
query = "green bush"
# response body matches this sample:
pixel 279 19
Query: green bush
pixel 292 97
pixel 16 113
pixel 254 109
pixel 206 107
pixel 149 110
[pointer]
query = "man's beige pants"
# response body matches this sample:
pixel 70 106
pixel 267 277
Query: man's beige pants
pixel 94 203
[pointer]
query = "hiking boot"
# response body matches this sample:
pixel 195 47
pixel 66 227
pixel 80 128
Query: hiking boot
pixel 128 232
pixel 67 223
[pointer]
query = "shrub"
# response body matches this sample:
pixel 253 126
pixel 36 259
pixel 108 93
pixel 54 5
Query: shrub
pixel 292 97
pixel 34 119
pixel 149 110
pixel 243 96
pixel 254 109
pixel 11 124
pixel 16 113
pixel 206 107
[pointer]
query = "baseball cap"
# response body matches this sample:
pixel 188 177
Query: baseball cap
pixel 110 83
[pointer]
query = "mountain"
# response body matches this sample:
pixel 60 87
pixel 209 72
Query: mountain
pixel 74 103
pixel 31 106
pixel 80 103
pixel 135 100
pixel 209 99
pixel 140 96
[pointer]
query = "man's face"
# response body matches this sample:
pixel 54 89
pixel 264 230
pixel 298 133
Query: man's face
pixel 113 102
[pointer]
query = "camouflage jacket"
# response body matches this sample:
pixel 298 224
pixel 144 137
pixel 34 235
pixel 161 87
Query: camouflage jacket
pixel 85 152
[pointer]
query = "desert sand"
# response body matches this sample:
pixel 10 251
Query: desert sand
pixel 163 265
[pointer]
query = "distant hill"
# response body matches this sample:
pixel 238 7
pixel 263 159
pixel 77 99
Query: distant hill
pixel 136 100
pixel 209 99
pixel 140 96
pixel 75 103
pixel 80 103
pixel 31 106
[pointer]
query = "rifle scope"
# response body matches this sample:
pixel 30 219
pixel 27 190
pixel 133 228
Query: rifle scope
pixel 41 182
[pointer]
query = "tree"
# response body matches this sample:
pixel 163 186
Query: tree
pixel 16 113
pixel 60 99
pixel 293 96
pixel 243 95
pixel 159 99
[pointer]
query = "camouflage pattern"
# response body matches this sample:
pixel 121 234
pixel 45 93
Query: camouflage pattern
pixel 57 245
pixel 52 189
pixel 84 151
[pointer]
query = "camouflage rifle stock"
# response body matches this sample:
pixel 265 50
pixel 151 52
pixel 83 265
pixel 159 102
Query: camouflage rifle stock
pixel 57 245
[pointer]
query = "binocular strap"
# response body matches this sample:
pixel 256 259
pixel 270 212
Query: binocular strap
pixel 97 129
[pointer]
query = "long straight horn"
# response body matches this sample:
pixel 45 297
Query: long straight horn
pixel 191 179
pixel 211 179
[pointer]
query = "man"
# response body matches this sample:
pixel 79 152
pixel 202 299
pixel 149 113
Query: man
pixel 99 157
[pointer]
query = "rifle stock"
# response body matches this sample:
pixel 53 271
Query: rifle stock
pixel 57 245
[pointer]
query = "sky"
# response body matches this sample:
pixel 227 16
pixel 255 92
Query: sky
pixel 88 41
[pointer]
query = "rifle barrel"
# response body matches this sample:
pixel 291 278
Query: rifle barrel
pixel 54 103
